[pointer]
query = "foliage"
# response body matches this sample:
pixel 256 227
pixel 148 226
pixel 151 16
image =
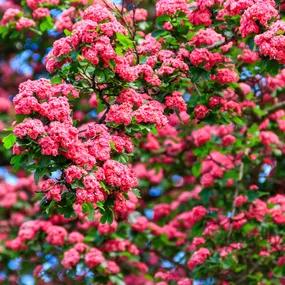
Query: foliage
pixel 147 148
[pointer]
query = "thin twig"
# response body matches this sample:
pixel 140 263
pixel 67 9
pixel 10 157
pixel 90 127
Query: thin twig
pixel 240 177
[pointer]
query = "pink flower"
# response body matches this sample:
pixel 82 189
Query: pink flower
pixel 122 143
pixel 10 15
pixel 271 43
pixel 248 56
pixel 73 172
pixel 205 58
pixel 198 258
pixel 90 182
pixel 32 128
pixel 40 13
pixel 228 140
pixel 15 244
pixel 240 200
pixel 62 47
pixel 52 189
pixel 5 105
pixel 201 17
pixel 167 26
pixel 48 146
pixel 215 101
pixel 206 37
pixel 196 242
pixel 225 76
pixel 261 12
pixel 70 259
pixel 140 224
pixel 37 271
pixel 236 7
pixel 132 96
pixel 200 112
pixel 119 175
pixel 120 114
pixel 28 230
pixel 97 13
pixel 105 229
pixel 161 210
pixel 56 235
pixel 75 237
pixel 24 23
pixel 139 15
pixel 269 138
pixel 152 112
pixel 170 7
pixel 93 258
pixel 176 101
pixel 201 136
pixel 112 267
pixel 91 55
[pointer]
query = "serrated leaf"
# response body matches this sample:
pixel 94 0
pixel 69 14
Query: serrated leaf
pixel 124 40
pixel 56 79
pixel 9 141
pixel 107 216
pixel 196 169
pixel 88 209
pixel 16 161
pixel 137 192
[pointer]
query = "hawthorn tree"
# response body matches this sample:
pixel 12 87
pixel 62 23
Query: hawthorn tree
pixel 150 149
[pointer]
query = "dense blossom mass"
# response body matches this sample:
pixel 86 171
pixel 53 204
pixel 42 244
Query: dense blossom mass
pixel 142 143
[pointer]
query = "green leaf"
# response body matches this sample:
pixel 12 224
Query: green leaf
pixel 46 24
pixel 153 129
pixel 9 141
pixel 162 19
pixel 159 33
pixel 124 40
pixel 137 192
pixel 102 184
pixel 56 79
pixel 123 158
pixel 196 74
pixel 259 112
pixel 100 205
pixel 248 228
pixel 119 50
pixel 4 31
pixel 107 216
pixel 196 169
pixel 88 209
pixel 117 280
pixel 17 161
pixel 67 32
pixel 271 66
pixel 65 207
pixel 239 121
pixel 39 173
pixel 254 129
pixel 51 207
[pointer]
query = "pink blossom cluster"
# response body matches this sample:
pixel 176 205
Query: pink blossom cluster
pixel 170 7
pixel 86 147
pixel 183 114
pixel 271 42
pixel 85 32
pixel 204 134
pixel 214 166
pixel 34 4
pixel 10 15
pixel 261 11
pixel 206 37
